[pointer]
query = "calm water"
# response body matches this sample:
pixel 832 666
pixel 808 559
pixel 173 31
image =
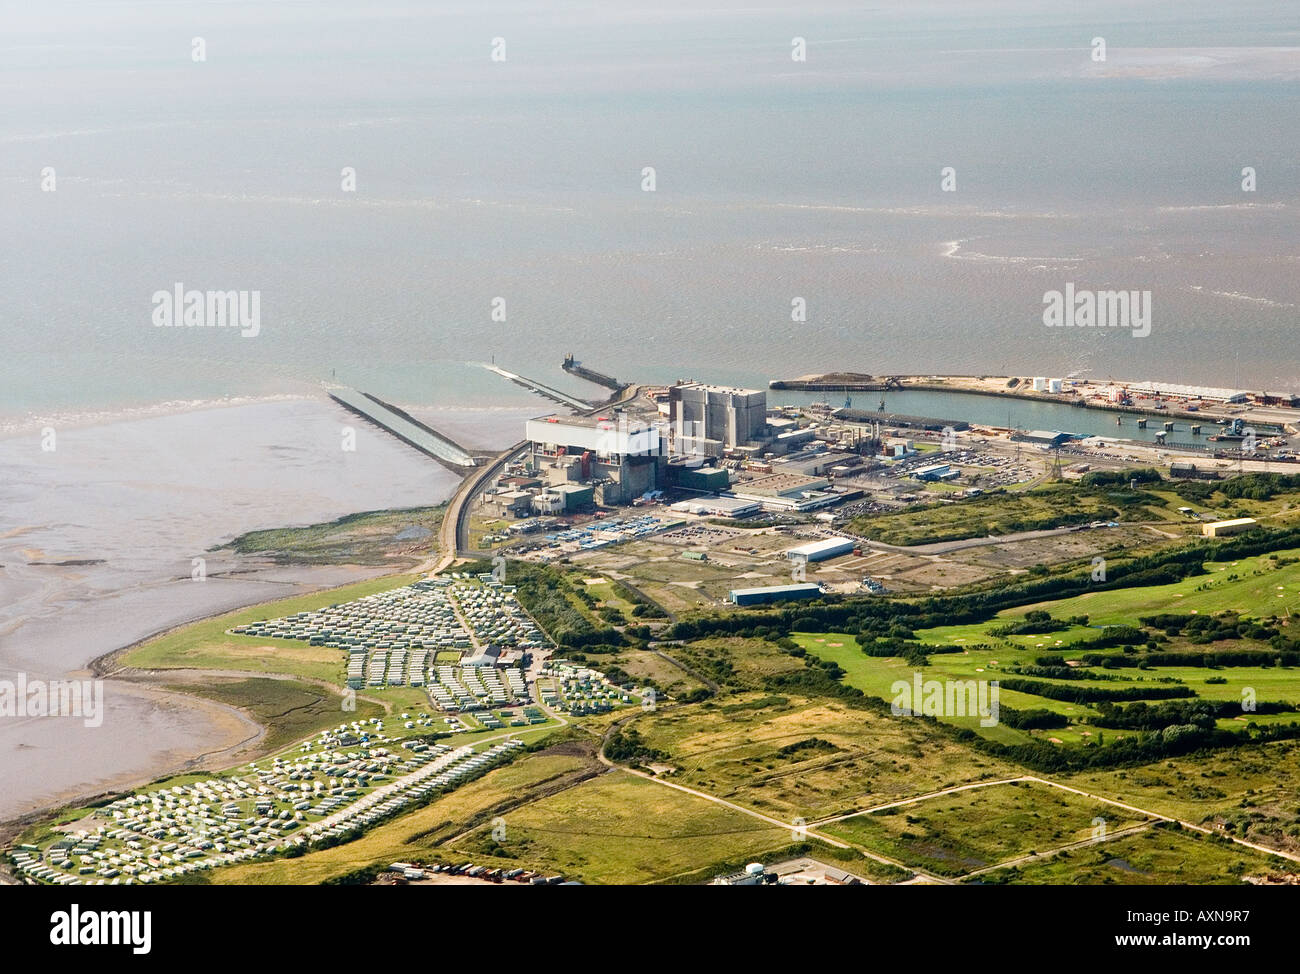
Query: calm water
pixel 522 180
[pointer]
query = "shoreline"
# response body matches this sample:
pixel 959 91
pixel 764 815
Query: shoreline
pixel 984 384
pixel 142 681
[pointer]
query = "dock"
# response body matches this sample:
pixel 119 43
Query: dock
pixel 405 427
pixel 549 392
pixel 902 420
pixel 574 367
pixel 835 382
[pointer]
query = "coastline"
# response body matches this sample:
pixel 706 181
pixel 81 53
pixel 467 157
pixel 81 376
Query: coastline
pixel 234 720
pixel 181 485
pixel 984 384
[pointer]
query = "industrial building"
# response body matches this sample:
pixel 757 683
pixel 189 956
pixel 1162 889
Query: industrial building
pixel 718 506
pixel 1179 391
pixel 509 503
pixel 731 417
pixel 1045 437
pixel 934 471
pixel 707 479
pixel 1219 529
pixel 766 594
pixel 780 485
pixel 820 550
pixel 620 457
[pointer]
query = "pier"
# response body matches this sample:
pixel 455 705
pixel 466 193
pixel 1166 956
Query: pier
pixel 549 392
pixel 574 367
pixel 405 427
pixel 929 423
pixel 832 382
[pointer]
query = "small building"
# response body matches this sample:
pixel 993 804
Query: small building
pixel 488 656
pixel 766 594
pixel 576 496
pixel 1219 529
pixel 510 503
pixel 934 471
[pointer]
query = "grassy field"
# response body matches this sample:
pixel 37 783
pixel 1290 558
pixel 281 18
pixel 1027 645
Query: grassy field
pixel 369 538
pixel 1001 512
pixel 1156 856
pixel 644 666
pixel 622 829
pixel 1257 587
pixel 792 757
pixel 207 645
pixel 1250 792
pixel 952 835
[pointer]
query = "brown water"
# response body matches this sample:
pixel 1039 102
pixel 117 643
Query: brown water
pixel 96 542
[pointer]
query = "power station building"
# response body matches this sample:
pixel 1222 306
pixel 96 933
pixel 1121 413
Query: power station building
pixel 716 414
pixel 622 458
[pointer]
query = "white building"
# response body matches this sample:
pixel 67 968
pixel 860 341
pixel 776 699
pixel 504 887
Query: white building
pixel 820 550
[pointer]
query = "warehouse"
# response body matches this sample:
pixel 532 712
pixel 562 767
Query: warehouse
pixel 773 593
pixel 1219 529
pixel 720 506
pixel 1206 393
pixel 820 550
pixel 1045 437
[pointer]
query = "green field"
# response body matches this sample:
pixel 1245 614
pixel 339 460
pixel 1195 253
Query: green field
pixel 795 757
pixel 1004 512
pixel 1250 792
pixel 1157 856
pixel 1260 588
pixel 207 645
pixel 368 538
pixel 622 829
pixel 956 834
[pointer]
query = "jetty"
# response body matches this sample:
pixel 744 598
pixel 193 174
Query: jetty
pixel 405 427
pixel 574 367
pixel 548 392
